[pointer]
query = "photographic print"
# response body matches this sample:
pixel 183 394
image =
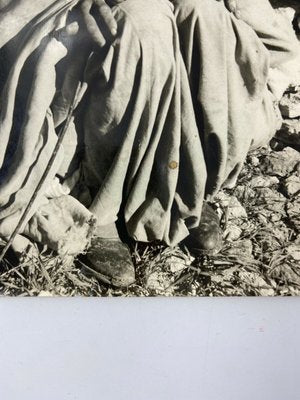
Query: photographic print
pixel 149 148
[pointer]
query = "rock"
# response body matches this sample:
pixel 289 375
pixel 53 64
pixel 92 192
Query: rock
pixel 291 185
pixel 241 248
pixel 159 281
pixel 254 161
pixel 45 293
pixel 290 105
pixel 294 251
pixel 293 212
pixel 281 163
pixel 263 181
pixel 236 210
pixel 232 232
pixel 233 207
pixel 178 264
pixel 289 133
pixel 270 205
pixel 269 198
pixel 244 193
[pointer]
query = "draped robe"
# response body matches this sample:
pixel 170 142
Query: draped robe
pixel 167 113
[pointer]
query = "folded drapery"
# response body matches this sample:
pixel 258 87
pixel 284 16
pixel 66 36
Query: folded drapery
pixel 168 112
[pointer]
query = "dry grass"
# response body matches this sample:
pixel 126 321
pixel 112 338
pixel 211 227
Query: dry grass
pixel 260 255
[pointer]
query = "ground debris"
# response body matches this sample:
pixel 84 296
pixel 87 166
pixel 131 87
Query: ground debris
pixel 289 133
pixel 290 105
pixel 291 185
pixel 281 163
pixel 260 218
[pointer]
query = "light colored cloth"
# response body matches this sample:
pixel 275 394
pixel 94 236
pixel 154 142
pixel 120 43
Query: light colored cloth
pixel 228 68
pixel 143 153
pixel 27 128
pixel 151 124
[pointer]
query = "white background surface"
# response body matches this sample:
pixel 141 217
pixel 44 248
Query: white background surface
pixel 212 349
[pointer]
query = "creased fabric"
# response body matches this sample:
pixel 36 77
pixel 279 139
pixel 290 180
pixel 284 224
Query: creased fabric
pixel 142 143
pixel 228 68
pixel 27 131
pixel 167 113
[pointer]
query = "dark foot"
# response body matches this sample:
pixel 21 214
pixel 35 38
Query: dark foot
pixel 207 237
pixel 109 260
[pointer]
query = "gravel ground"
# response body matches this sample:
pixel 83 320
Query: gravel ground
pixel 260 256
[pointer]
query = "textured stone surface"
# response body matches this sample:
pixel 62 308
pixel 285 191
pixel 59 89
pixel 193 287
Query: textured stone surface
pixel 291 185
pixel 289 133
pixel 281 163
pixel 293 212
pixel 264 181
pixel 233 207
pixel 290 105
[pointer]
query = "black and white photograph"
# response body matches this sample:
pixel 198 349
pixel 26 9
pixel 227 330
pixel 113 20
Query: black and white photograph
pixel 149 148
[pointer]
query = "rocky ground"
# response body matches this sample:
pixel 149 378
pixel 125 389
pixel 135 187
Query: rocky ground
pixel 260 218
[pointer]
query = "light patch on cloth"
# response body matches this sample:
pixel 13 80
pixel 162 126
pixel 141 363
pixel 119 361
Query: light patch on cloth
pixel 63 224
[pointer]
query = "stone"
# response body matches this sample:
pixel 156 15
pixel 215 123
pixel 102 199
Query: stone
pixel 268 197
pixel 232 232
pixel 294 251
pixel 270 204
pixel 178 264
pixel 264 181
pixel 159 281
pixel 281 163
pixel 254 161
pixel 45 293
pixel 291 185
pixel 241 248
pixel 244 193
pixel 231 204
pixel 290 105
pixel 293 212
pixel 289 133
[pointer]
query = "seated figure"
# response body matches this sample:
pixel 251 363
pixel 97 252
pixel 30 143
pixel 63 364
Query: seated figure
pixel 167 98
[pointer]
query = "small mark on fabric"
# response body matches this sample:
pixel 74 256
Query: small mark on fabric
pixel 173 164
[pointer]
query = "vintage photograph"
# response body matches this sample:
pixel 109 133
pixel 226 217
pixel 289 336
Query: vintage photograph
pixel 149 148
